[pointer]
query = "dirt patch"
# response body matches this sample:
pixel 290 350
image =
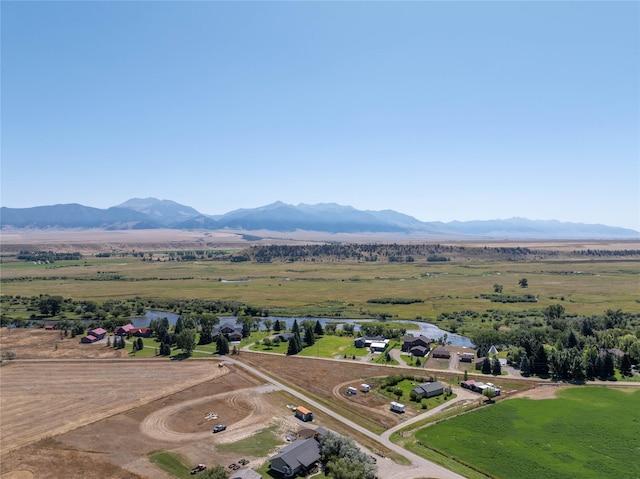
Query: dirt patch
pixel 540 392
pixel 49 459
pixel 41 399
pixel 38 343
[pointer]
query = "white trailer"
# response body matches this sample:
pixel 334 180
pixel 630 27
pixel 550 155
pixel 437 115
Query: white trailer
pixel 351 390
pixel 365 388
pixel 397 407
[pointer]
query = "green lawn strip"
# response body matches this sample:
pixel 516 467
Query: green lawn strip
pixel 586 432
pixel 171 463
pixel 328 346
pixel 259 444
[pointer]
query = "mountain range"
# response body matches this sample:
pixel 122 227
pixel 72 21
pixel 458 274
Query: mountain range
pixel 152 213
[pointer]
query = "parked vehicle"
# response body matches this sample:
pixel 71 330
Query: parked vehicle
pixel 198 468
pixel 219 428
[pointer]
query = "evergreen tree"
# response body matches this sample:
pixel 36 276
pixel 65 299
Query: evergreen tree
pixel 295 328
pixel 541 364
pixel 625 366
pixel 276 326
pixel 140 344
pixel 486 366
pixel 309 337
pixel 609 368
pixel 525 366
pixel 292 350
pixel 222 345
pixel 297 341
pixel 496 368
pixel 600 368
pixel 318 329
pixel 177 329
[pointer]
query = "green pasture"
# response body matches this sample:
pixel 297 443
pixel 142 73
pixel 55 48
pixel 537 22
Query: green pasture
pixel 339 289
pixel 587 432
pixel 172 463
pixel 260 444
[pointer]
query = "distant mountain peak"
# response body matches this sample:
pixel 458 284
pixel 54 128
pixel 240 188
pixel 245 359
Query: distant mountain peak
pixel 148 213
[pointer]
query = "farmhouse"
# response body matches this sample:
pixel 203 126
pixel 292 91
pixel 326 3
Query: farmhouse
pixel 428 390
pixel 142 332
pixel 411 341
pixel 123 330
pixel 94 335
pixel 440 353
pixel 297 457
pixel 467 357
pixel 419 351
pixel 232 333
pixel 379 346
pixel 365 341
pixel 284 337
pixel 304 414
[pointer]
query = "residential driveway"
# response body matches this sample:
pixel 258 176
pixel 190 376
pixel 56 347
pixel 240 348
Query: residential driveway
pixel 386 469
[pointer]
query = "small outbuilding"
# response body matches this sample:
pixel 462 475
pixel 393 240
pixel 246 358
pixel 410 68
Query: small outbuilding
pixel 304 414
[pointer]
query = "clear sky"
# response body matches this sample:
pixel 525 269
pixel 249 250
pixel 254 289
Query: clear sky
pixel 441 110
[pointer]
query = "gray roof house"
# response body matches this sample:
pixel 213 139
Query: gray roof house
pixel 229 331
pixel 245 474
pixel 428 390
pixel 296 457
pixel 411 341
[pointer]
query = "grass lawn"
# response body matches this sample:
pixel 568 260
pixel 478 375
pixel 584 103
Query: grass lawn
pixel 587 432
pixel 171 463
pixel 259 444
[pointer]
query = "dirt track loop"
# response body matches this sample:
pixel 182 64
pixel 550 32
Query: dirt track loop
pixel 156 425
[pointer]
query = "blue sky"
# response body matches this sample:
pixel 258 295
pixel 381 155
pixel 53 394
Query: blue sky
pixel 441 110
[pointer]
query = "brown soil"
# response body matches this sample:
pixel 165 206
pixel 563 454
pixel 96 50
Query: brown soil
pixel 31 343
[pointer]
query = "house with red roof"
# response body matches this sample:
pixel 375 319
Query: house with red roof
pixel 124 330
